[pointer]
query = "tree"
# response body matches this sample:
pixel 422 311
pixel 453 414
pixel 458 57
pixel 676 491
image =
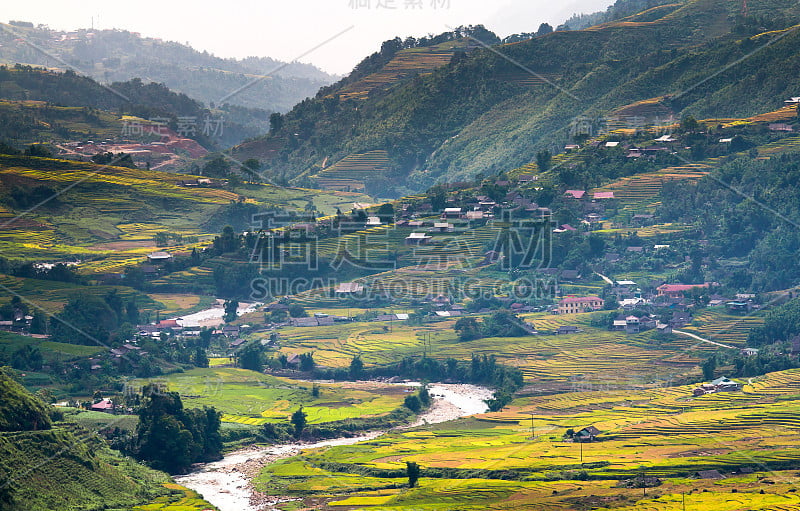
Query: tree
pixel 251 356
pixel 709 367
pixel 543 160
pixel 544 28
pixel 297 311
pixel 231 308
pixel 275 122
pixel 200 359
pixel 251 166
pixel 413 473
pixel 467 329
pixel 38 323
pixel 356 367
pixel 504 323
pixel 413 403
pixel 689 123
pixel 299 421
pixel 170 438
pixel 86 320
pixel 307 361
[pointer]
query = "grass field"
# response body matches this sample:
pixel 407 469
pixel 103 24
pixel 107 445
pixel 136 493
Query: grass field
pixel 247 397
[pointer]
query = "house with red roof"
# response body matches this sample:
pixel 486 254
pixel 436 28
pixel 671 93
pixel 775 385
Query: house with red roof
pixel 104 405
pixel 576 194
pixel 603 195
pixel 677 290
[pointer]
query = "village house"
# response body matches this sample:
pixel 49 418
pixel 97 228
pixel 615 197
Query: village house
pixel 418 238
pixel 680 319
pixel 452 213
pixel 575 304
pixel 783 127
pixel 566 330
pixel 722 384
pixel 443 227
pixel 159 257
pixel 587 434
pixel 104 405
pixel 349 288
pixel 677 290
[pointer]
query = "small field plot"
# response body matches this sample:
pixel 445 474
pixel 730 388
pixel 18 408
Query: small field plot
pixel 248 397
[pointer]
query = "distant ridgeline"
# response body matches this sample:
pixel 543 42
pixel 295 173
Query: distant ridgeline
pixel 446 109
pixel 118 56
pixel 41 105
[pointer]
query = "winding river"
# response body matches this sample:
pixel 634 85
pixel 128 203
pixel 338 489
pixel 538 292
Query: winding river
pixel 227 483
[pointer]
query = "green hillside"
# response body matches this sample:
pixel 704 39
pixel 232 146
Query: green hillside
pixel 41 105
pixel 490 110
pixel 63 467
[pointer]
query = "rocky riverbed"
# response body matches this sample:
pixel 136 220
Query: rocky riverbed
pixel 228 483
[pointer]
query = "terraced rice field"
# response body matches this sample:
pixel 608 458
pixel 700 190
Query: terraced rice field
pixel 592 357
pixel 351 172
pixel 640 192
pixel 404 64
pixel 717 325
pixel 662 431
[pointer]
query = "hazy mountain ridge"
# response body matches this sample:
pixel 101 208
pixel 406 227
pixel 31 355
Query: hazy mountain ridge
pixel 116 55
pixel 483 113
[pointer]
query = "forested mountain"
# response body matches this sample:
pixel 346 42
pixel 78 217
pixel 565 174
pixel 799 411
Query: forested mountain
pixel 41 105
pixel 491 109
pixel 116 56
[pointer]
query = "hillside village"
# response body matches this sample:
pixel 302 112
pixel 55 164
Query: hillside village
pixel 438 283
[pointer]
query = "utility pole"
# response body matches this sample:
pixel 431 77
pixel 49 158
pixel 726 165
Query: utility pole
pixel 533 433
pixel 683 500
pixel 580 442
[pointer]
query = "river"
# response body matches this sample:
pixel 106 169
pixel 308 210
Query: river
pixel 227 483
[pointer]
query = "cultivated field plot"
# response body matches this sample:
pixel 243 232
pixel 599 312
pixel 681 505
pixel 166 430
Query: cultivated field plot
pixel 594 356
pixel 490 461
pixel 404 64
pixel 107 217
pixel 251 398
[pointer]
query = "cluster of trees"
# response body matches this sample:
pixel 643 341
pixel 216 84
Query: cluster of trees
pixel 171 438
pixel 728 208
pixel 781 324
pixel 481 369
pixel 90 320
pixel 502 323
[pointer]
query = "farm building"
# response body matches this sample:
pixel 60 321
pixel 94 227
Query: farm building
pixel 588 434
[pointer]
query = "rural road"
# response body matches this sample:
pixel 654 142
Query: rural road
pixel 688 334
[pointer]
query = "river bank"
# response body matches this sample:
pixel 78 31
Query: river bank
pixel 228 483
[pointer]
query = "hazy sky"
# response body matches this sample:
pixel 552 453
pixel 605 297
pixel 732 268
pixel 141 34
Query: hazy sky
pixel 291 29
